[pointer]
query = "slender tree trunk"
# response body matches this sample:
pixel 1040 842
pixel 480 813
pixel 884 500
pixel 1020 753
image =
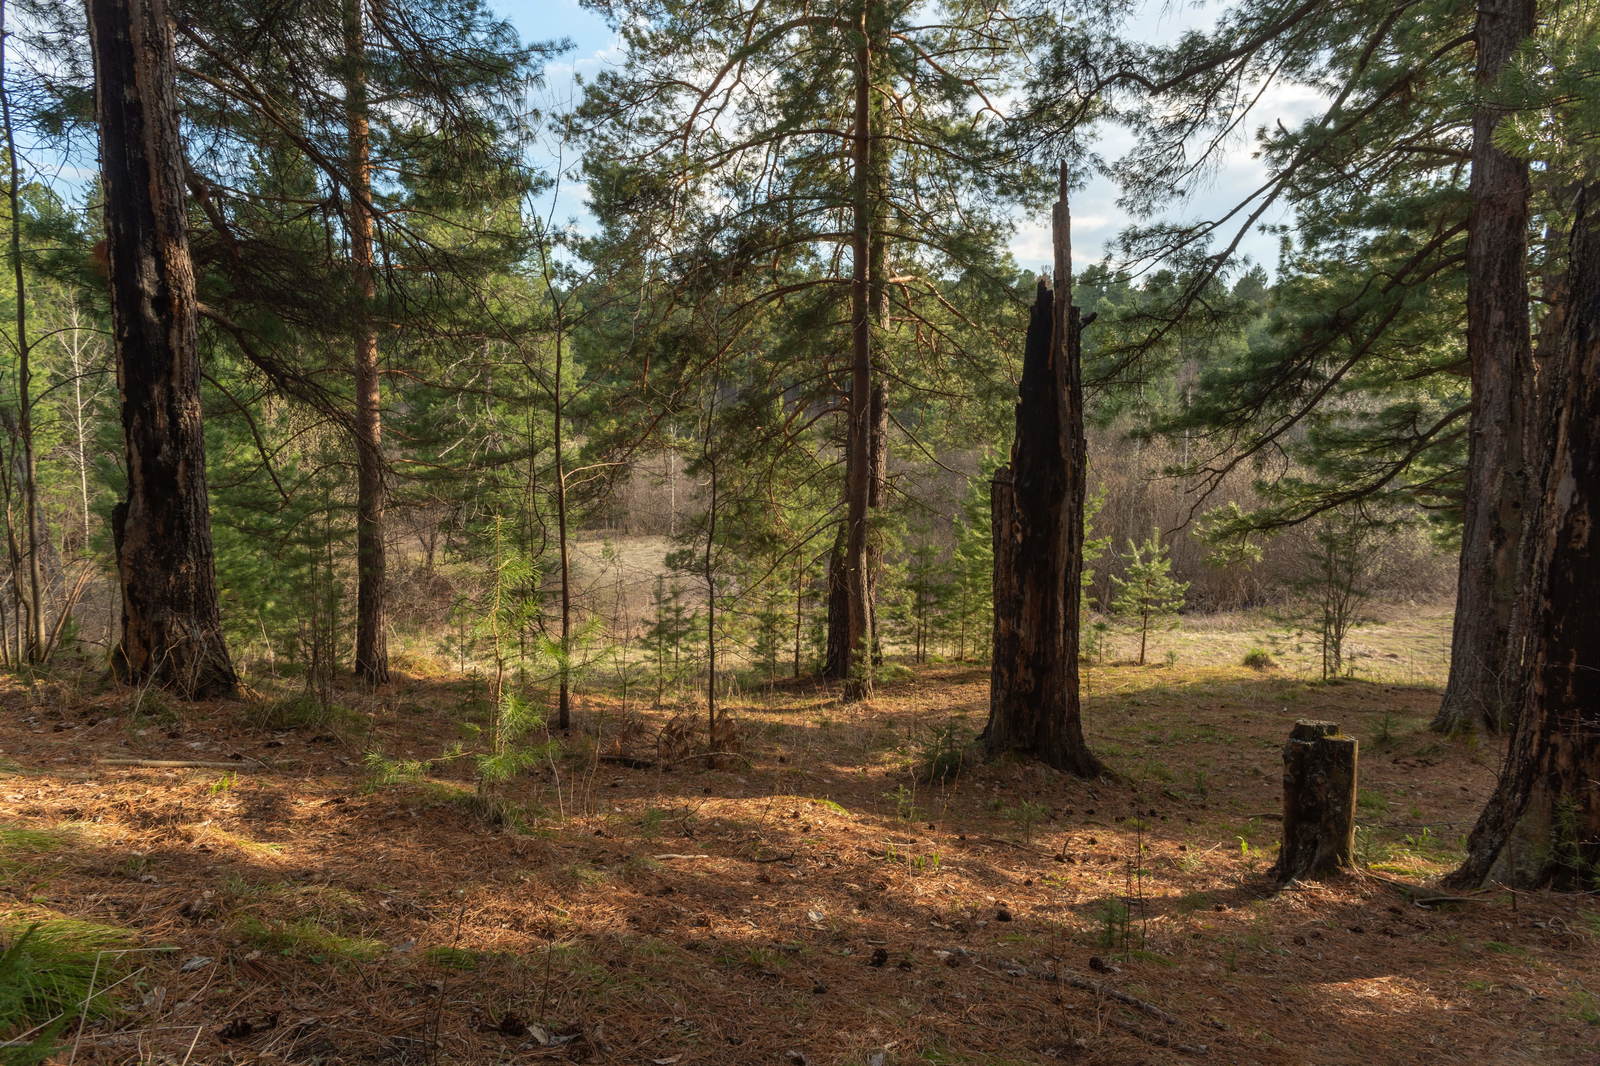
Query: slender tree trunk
pixel 171 623
pixel 877 491
pixel 709 454
pixel 1541 827
pixel 1037 514
pixel 853 571
pixel 80 422
pixel 372 641
pixel 564 686
pixel 30 485
pixel 836 657
pixel 1480 692
pixel 799 607
pixel 853 658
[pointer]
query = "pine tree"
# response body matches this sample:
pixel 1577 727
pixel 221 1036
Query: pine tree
pixel 171 621
pixel 1148 597
pixel 807 196
pixel 1404 205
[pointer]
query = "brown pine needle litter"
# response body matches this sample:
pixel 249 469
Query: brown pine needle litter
pixel 810 901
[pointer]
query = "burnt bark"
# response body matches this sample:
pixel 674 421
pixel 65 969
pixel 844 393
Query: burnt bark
pixel 171 622
pixel 1480 692
pixel 1319 803
pixel 1541 826
pixel 1037 514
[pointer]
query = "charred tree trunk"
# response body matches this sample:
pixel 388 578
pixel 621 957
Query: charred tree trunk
pixel 1483 649
pixel 171 624
pixel 1319 803
pixel 1037 512
pixel 1541 827
pixel 372 641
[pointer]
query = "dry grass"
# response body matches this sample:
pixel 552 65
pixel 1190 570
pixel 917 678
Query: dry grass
pixel 810 897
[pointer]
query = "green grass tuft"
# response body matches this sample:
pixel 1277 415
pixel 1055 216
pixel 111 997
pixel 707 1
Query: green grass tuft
pixel 306 939
pixel 51 971
pixel 454 958
pixel 304 711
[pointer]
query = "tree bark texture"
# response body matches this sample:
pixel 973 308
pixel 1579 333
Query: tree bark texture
pixel 854 572
pixel 1319 803
pixel 1037 516
pixel 171 622
pixel 1541 827
pixel 836 659
pixel 852 629
pixel 1480 692
pixel 30 480
pixel 372 641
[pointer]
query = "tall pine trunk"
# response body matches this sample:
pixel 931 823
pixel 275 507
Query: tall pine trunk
pixel 372 643
pixel 1037 515
pixel 852 659
pixel 1541 826
pixel 1484 648
pixel 564 685
pixel 171 623
pixel 30 481
pixel 853 642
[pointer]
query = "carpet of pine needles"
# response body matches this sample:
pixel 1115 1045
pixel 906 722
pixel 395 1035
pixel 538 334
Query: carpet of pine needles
pixel 806 901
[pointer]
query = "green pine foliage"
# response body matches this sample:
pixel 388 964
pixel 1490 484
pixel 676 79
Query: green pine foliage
pixel 1148 598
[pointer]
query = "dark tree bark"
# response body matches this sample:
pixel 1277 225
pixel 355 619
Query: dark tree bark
pixel 1037 511
pixel 563 544
pixel 852 630
pixel 836 659
pixel 1319 803
pixel 1480 692
pixel 372 641
pixel 171 623
pixel 877 491
pixel 29 479
pixel 851 659
pixel 1541 827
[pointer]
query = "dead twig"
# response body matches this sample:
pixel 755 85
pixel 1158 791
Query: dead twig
pixel 176 764
pixel 1157 1039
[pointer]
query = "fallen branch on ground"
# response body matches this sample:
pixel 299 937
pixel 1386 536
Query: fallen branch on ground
pixel 176 764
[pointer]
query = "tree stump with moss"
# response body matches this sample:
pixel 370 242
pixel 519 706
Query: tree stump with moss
pixel 1319 803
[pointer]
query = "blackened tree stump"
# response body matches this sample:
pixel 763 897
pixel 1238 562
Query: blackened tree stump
pixel 1037 516
pixel 1319 802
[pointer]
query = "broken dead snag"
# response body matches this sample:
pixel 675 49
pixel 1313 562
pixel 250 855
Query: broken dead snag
pixel 1319 802
pixel 1036 514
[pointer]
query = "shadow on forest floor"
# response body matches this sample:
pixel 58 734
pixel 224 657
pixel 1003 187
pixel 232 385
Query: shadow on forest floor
pixel 810 897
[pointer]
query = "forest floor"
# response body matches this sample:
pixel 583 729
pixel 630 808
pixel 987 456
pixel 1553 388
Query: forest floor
pixel 806 902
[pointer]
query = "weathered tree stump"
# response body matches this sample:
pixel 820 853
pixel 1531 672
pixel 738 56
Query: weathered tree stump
pixel 1319 802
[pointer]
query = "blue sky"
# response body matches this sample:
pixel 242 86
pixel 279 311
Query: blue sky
pixel 1096 217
